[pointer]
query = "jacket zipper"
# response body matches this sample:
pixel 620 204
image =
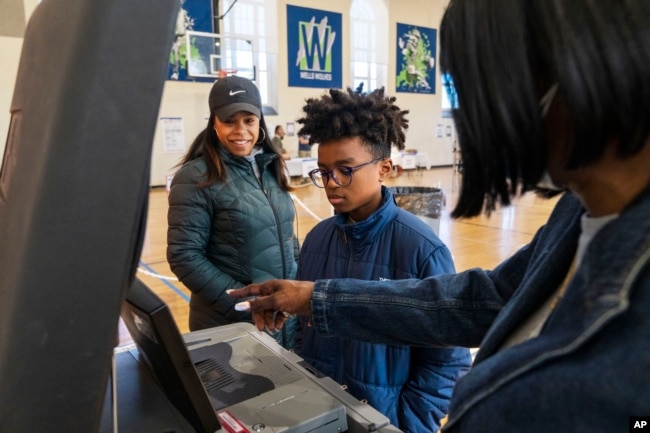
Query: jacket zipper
pixel 275 215
pixel 340 369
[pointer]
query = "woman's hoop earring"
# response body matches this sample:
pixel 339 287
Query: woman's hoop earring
pixel 263 138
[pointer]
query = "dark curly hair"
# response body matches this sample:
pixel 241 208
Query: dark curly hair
pixel 596 52
pixel 373 117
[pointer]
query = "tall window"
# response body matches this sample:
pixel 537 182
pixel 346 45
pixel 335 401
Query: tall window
pixel 368 44
pixel 256 20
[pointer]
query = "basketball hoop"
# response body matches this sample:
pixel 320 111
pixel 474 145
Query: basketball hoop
pixel 223 73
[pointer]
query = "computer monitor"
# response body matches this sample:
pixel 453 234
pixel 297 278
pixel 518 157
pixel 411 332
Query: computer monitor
pixel 159 340
pixel 74 184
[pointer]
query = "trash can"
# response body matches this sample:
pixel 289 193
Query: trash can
pixel 425 202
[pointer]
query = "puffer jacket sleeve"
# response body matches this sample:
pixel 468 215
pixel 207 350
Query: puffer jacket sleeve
pixel 189 221
pixel 424 399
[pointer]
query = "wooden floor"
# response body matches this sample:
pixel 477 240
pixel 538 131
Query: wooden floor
pixel 475 242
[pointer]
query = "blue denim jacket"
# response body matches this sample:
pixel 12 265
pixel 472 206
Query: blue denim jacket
pixel 588 370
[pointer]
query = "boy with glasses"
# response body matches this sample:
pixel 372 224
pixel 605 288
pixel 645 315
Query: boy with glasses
pixel 371 238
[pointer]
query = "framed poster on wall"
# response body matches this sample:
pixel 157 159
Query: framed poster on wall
pixel 416 59
pixel 314 48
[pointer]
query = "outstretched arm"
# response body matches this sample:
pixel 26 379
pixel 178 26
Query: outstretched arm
pixel 267 298
pixel 419 312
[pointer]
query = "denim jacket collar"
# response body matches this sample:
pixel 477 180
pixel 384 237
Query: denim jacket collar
pixel 599 284
pixel 598 292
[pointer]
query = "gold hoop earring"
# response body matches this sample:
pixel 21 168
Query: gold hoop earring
pixel 263 138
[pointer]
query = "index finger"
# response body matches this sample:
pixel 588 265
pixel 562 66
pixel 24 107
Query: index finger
pixel 246 292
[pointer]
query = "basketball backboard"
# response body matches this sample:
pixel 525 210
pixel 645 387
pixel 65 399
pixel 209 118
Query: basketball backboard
pixel 210 55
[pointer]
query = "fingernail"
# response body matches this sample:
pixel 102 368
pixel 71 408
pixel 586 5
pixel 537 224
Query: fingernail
pixel 243 306
pixel 229 291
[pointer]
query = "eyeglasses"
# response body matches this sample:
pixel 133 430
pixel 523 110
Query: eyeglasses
pixel 545 102
pixel 341 174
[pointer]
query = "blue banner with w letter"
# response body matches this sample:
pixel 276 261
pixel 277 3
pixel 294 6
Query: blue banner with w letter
pixel 314 48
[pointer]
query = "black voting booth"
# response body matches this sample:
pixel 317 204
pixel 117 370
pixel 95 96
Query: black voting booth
pixel 73 189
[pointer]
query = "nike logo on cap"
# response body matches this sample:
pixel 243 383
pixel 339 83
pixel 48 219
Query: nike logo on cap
pixel 238 91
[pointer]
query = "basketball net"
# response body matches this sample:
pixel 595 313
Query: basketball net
pixel 223 73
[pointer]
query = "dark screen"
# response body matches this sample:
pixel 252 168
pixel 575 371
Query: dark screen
pixel 154 330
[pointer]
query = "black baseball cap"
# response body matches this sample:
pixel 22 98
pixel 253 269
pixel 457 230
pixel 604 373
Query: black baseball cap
pixel 232 94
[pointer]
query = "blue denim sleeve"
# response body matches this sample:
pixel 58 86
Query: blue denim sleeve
pixel 445 310
pixel 440 311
